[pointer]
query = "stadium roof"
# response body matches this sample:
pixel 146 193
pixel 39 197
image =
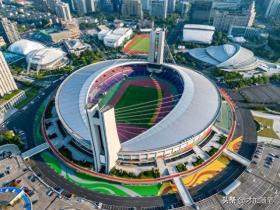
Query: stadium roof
pixel 198 33
pixel 24 46
pixel 230 57
pixel 195 111
pixel 45 56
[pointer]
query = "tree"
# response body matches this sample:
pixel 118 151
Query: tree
pixel 10 137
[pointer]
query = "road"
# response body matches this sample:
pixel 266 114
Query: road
pixel 246 125
pixel 23 119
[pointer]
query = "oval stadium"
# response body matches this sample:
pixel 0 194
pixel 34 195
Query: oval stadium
pixel 131 111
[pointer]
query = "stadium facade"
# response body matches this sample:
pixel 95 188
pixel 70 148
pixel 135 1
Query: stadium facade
pixel 180 111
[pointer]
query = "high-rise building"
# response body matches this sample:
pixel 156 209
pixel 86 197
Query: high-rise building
pixel 117 5
pixel 226 4
pixel 90 6
pixel 7 82
pixel 271 8
pixel 62 11
pixel 83 7
pixel 132 8
pixel 52 4
pixel 146 5
pixel 224 19
pixel 201 12
pixel 184 8
pixel 106 5
pixel 171 6
pixel 8 30
pixel 159 9
pixel 80 6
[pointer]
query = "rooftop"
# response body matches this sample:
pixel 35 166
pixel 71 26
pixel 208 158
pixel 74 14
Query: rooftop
pixel 196 110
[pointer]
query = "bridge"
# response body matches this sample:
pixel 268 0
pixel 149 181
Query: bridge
pixel 182 189
pixel 244 161
pixel 34 151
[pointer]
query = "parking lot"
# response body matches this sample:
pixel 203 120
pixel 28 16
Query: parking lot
pixel 259 189
pixel 13 172
pixel 262 94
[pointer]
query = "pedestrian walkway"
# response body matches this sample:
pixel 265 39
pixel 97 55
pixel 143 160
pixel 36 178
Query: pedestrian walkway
pixel 244 161
pixel 182 189
pixel 200 152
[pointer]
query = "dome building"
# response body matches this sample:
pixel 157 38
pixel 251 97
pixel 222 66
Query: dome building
pixel 24 46
pixel 228 57
pixel 46 58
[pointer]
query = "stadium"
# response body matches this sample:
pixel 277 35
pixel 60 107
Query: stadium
pixel 227 57
pixel 132 111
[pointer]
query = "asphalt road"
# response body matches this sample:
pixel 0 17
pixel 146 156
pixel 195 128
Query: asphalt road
pixel 23 119
pixel 245 126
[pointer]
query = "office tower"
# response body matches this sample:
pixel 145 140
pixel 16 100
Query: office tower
pixel 201 12
pixel 7 82
pixel 8 30
pixel 106 5
pixel 171 6
pixel 81 8
pixel 224 19
pixel 62 11
pixel 52 4
pixel 117 5
pixel 146 5
pixel 90 6
pixel 158 9
pixel 132 8
pixel 184 8
pixel 271 8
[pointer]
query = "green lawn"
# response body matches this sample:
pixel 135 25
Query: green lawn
pixel 142 45
pixel 266 129
pixel 97 184
pixel 132 96
pixel 11 95
pixel 52 162
pixel 30 94
pixel 145 190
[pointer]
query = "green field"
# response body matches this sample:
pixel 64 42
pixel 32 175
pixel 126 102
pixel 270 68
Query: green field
pixel 110 94
pixel 141 44
pixel 139 115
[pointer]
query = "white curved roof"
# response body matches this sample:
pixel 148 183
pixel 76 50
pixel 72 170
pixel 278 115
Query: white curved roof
pixel 24 46
pixel 195 111
pixel 45 56
pixel 227 56
pixel 198 33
